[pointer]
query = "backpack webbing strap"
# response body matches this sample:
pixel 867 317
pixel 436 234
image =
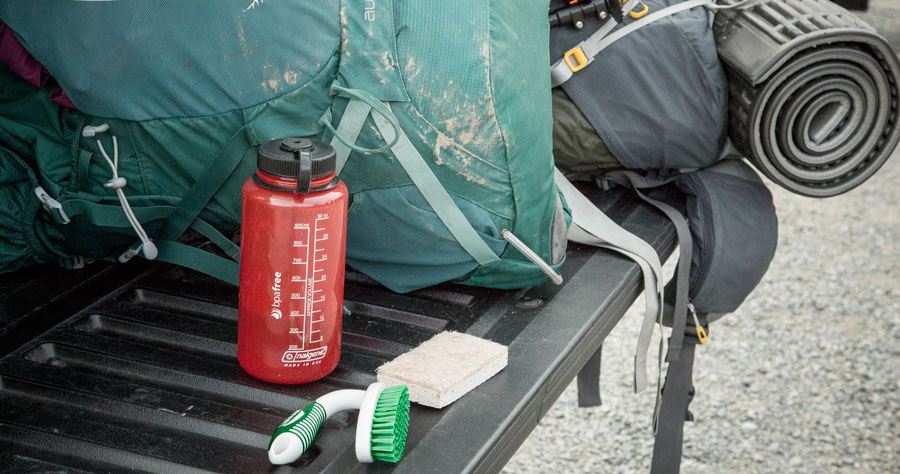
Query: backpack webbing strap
pixel 109 215
pixel 592 227
pixel 212 178
pixel 199 260
pixel 351 124
pixel 206 229
pixel 676 396
pixel 433 191
pixel 636 182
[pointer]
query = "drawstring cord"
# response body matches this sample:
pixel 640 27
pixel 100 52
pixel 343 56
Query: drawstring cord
pixel 117 183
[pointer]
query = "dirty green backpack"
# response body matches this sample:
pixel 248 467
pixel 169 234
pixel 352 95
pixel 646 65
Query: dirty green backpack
pixel 440 114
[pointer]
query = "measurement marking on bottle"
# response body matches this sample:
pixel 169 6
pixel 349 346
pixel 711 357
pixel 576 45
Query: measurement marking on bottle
pixel 295 314
pixel 321 259
pixel 299 244
pixel 297 261
pixel 298 296
pixel 321 300
pixel 295 331
pixel 315 339
pixel 318 291
pixel 297 279
pixel 301 225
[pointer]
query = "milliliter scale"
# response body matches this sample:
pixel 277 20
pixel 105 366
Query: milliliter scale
pixel 308 284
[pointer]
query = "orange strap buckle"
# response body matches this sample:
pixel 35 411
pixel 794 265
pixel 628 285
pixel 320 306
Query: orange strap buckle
pixel 641 13
pixel 580 59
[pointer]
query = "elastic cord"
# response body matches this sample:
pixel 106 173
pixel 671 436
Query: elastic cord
pixel 117 183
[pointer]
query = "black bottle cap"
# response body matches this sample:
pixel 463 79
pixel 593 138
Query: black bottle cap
pixel 281 157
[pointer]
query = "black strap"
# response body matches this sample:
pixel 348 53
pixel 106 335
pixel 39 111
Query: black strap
pixel 589 381
pixel 677 394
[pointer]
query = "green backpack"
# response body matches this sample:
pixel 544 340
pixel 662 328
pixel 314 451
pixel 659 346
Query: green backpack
pixel 440 113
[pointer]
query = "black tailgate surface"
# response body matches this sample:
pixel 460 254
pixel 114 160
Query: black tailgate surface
pixel 133 367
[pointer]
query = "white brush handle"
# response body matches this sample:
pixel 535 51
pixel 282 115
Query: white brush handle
pixel 297 432
pixel 364 423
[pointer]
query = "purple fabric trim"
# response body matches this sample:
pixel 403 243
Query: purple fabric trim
pixel 14 55
pixel 59 97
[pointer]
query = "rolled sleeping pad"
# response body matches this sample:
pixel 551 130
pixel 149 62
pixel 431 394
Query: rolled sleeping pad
pixel 813 93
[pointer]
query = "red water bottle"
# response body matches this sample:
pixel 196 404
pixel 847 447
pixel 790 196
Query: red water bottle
pixel 293 234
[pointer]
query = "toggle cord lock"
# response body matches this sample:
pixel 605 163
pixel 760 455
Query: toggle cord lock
pixel 117 183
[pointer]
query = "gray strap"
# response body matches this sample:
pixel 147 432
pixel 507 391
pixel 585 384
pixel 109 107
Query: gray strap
pixel 438 198
pixel 592 227
pixel 351 124
pixel 588 49
pixel 637 182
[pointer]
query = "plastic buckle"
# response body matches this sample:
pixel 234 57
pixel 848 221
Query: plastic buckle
pixel 701 333
pixel 641 13
pixel 581 59
pixel 51 204
pixel 129 254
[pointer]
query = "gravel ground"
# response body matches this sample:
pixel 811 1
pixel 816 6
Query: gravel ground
pixel 803 378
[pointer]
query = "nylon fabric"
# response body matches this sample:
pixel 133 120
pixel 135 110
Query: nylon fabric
pixel 436 195
pixel 657 98
pixel 207 57
pixel 218 170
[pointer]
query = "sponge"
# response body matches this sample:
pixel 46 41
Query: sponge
pixel 444 368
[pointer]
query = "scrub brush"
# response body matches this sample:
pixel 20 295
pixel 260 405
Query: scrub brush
pixel 380 429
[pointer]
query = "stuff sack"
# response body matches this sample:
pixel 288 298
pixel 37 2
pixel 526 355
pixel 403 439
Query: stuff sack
pixel 443 145
pixel 656 99
pixel 734 230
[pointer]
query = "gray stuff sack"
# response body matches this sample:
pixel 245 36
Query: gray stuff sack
pixel 657 98
pixel 734 229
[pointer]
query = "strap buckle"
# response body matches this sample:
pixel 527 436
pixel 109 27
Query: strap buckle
pixel 636 15
pixel 49 204
pixel 581 59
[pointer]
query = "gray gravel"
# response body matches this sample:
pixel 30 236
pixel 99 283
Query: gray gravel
pixel 804 378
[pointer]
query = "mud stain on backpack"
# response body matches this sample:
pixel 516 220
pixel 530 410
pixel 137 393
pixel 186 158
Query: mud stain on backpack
pixel 410 70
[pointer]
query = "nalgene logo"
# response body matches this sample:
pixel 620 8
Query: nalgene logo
pixel 370 10
pixel 304 356
pixel 276 296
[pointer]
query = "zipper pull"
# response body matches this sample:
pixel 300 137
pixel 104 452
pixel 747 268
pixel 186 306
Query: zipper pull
pixel 701 333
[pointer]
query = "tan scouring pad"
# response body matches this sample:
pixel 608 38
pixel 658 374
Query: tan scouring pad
pixel 444 368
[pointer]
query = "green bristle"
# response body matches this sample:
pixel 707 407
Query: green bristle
pixel 390 423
